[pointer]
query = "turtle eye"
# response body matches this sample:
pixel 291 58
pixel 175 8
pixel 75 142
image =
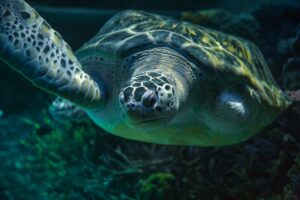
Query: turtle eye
pixel 149 99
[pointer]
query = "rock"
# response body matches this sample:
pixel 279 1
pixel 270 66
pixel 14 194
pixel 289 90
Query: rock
pixel 291 74
pixel 284 47
pixel 278 27
pixel 291 68
pixel 290 46
pixel 296 44
pixel 292 64
pixel 275 13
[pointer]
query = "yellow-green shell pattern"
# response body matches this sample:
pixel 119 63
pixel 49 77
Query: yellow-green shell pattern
pixel 215 50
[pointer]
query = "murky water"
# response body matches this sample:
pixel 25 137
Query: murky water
pixel 66 155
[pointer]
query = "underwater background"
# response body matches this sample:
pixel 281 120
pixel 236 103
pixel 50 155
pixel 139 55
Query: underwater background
pixel 41 159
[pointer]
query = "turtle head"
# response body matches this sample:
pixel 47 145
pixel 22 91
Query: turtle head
pixel 157 89
pixel 148 98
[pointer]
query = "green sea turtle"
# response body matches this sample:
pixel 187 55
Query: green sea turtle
pixel 148 77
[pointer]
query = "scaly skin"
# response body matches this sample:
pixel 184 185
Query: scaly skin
pixel 30 46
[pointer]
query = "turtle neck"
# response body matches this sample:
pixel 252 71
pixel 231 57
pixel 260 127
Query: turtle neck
pixel 169 62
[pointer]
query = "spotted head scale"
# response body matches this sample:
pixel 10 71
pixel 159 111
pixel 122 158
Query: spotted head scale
pixel 148 97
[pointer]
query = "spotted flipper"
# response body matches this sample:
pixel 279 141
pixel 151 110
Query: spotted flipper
pixel 30 46
pixel 65 111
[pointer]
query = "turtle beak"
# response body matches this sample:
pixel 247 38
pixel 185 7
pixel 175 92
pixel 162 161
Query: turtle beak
pixel 140 112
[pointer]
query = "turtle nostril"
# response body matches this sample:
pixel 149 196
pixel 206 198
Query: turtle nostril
pixel 131 105
pixel 149 99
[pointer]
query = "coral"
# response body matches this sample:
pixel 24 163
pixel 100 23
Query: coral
pixel 158 186
pixel 82 162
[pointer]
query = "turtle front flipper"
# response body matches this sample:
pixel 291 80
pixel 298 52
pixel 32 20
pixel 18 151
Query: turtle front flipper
pixel 30 46
pixel 65 111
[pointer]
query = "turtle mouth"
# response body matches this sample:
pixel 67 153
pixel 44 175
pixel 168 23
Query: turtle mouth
pixel 146 121
pixel 154 122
